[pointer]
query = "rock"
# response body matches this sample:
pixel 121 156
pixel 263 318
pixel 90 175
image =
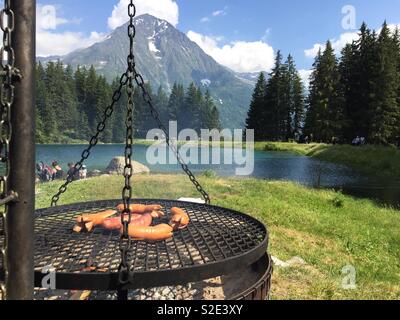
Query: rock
pixel 193 292
pixel 165 291
pixel 186 296
pixel 157 296
pixel 95 173
pixel 296 261
pixel 280 263
pixel 117 165
pixel 171 296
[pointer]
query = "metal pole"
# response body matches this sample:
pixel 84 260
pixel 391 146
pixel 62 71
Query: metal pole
pixel 22 156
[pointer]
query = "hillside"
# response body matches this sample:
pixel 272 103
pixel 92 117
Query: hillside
pixel 165 55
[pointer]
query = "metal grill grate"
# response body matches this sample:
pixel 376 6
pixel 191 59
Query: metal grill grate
pixel 217 241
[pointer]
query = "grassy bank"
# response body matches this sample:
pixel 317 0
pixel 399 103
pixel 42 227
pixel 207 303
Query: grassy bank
pixel 325 228
pixel 371 160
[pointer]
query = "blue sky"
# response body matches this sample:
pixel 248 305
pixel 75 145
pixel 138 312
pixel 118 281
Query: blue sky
pixel 243 35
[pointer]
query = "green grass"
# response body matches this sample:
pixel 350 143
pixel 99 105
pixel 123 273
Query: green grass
pixel 371 160
pixel 327 229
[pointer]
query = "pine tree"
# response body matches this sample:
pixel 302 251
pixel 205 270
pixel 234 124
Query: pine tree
pixel 256 110
pixel 186 111
pixel 215 121
pixel 294 98
pixel 312 101
pixel 118 127
pixel 161 103
pixel 326 101
pixel 275 114
pixel 82 125
pixel 173 104
pixel 396 38
pixel 385 113
pixel 358 73
pixel 103 95
pixel 40 135
pixel 298 101
pixel 210 114
pixel 90 104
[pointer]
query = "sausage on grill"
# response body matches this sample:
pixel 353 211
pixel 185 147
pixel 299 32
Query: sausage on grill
pixel 180 219
pixel 140 208
pixel 157 233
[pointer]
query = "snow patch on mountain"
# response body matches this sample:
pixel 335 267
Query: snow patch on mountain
pixel 152 47
pixel 206 82
pixel 101 64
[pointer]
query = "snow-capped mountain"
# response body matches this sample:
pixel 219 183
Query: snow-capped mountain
pixel 165 55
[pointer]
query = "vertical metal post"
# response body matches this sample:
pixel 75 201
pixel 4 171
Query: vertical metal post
pixel 22 156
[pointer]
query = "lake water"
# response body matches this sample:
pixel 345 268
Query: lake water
pixel 267 165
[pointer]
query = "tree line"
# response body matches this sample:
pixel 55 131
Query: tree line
pixel 277 108
pixel 357 94
pixel 70 104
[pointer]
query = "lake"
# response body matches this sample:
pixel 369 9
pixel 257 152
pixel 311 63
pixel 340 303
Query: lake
pixel 267 165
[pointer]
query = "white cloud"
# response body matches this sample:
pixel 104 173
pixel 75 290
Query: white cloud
pixel 337 44
pixel 162 9
pixel 219 13
pixel 52 43
pixel 312 53
pixel 49 42
pixel 392 27
pixel 214 14
pixel 47 19
pixel 239 56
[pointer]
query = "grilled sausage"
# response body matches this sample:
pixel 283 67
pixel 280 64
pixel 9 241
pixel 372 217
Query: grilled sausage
pixel 180 219
pixel 140 208
pixel 157 233
pixel 115 222
pixel 96 218
pixel 136 220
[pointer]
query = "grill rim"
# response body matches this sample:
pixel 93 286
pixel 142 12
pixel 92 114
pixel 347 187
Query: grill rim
pixel 157 278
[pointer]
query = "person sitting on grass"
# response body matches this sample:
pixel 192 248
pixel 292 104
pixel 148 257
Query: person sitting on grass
pixel 83 173
pixel 57 171
pixel 72 172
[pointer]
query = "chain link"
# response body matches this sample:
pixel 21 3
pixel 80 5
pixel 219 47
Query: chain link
pixel 9 74
pixel 125 275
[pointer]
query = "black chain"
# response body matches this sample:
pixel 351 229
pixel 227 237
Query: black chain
pixel 94 140
pixel 125 275
pixel 9 74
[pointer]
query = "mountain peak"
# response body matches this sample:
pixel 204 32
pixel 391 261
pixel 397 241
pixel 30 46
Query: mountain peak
pixel 164 55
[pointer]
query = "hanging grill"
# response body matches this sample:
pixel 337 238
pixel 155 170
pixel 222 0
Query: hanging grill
pixel 217 242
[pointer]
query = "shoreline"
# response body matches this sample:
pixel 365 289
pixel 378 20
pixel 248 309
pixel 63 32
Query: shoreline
pixel 376 161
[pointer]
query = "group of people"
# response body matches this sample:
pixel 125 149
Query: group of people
pixel 359 141
pixel 53 172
